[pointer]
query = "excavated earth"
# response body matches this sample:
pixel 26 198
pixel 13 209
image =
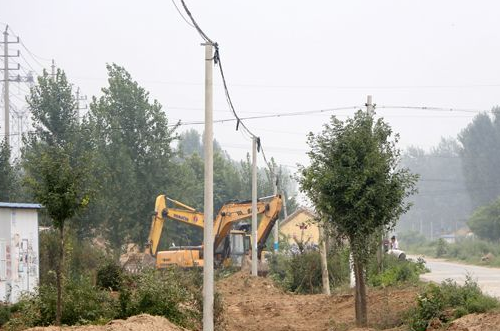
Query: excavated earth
pixel 143 322
pixel 257 304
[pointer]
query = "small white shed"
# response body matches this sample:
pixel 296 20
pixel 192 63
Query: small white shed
pixel 18 249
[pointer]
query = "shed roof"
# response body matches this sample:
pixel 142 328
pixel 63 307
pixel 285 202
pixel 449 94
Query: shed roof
pixel 18 205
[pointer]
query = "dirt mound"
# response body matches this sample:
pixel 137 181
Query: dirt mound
pixel 143 322
pixel 476 322
pixel 257 304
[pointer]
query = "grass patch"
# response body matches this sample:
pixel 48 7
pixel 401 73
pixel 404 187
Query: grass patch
pixel 395 271
pixel 448 301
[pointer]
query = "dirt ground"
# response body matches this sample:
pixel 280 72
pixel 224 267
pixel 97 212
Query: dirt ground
pixel 476 322
pixel 141 322
pixel 257 304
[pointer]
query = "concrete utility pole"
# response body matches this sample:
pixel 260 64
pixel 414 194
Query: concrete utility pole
pixel 6 101
pixel 208 239
pixel 254 206
pixel 277 224
pixel 6 79
pixel 285 212
pixel 369 105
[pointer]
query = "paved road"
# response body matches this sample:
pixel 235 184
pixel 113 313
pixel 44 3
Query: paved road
pixel 487 278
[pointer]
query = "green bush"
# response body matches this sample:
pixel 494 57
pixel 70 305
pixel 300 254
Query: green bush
pixel 301 273
pixel 174 294
pixel 441 248
pixel 109 276
pixel 4 314
pixel 448 301
pixel 83 303
pixel 395 271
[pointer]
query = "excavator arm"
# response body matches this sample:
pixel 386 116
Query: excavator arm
pixel 267 221
pixel 187 215
pixel 230 213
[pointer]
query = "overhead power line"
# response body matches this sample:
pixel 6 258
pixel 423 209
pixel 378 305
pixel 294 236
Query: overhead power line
pixel 441 109
pixel 218 62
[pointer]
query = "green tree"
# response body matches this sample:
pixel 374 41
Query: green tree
pixel 8 178
pixel 354 180
pixel 57 171
pixel 442 193
pixel 485 221
pixel 133 139
pixel 481 157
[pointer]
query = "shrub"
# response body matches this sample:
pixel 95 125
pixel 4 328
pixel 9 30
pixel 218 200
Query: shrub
pixel 109 276
pixel 448 301
pixel 173 293
pixel 395 271
pixel 4 314
pixel 83 303
pixel 301 273
pixel 441 248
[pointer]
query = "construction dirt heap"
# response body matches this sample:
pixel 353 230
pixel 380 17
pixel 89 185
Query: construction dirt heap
pixel 257 304
pixel 141 322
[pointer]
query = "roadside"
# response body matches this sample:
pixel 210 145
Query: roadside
pixel 488 278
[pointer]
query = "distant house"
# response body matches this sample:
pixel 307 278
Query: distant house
pixel 449 238
pixel 300 227
pixel 18 249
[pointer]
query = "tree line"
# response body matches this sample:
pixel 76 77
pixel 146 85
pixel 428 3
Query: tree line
pixel 124 152
pixel 459 183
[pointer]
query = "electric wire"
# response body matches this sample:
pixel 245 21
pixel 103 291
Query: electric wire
pixel 218 62
pixel 435 109
pixel 33 55
pixel 178 10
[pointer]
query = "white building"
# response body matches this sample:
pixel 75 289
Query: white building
pixel 18 249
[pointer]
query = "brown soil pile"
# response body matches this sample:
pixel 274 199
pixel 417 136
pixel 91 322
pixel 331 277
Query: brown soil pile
pixel 476 322
pixel 142 322
pixel 256 304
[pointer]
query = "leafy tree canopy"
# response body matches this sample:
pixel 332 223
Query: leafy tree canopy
pixel 354 178
pixel 485 221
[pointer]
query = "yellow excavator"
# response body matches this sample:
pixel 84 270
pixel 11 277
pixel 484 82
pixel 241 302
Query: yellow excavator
pixel 231 240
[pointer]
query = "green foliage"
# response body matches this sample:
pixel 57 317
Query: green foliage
pixel 485 222
pixel 174 294
pixel 110 276
pixel 466 249
pixel 301 273
pixel 395 271
pixel 4 314
pixel 83 304
pixel 441 248
pixel 133 145
pixel 441 170
pixel 8 178
pixel 354 178
pixel 481 157
pixel 448 301
pixel 411 238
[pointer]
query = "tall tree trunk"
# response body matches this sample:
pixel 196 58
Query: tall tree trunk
pixel 59 276
pixel 324 261
pixel 360 297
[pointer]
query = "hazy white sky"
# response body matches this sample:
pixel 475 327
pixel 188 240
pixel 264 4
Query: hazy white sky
pixel 282 56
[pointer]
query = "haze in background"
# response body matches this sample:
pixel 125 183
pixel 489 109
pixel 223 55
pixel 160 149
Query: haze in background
pixel 282 56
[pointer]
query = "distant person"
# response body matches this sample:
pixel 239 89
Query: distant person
pixel 394 243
